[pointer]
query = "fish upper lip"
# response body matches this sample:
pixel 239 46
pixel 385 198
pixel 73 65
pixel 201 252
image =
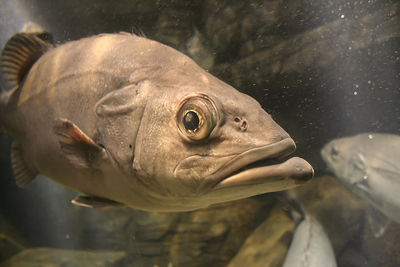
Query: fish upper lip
pixel 275 150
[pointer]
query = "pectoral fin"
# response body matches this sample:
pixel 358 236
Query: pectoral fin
pixel 377 220
pixel 96 202
pixel 79 148
pixel 22 172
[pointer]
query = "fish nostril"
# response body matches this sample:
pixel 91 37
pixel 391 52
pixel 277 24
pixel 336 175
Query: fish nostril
pixel 243 126
pixel 242 123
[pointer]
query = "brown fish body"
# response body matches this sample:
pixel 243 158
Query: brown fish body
pixel 111 115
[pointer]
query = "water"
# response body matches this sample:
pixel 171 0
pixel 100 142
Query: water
pixel 323 69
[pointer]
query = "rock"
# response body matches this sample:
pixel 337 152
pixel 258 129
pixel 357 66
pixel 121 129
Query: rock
pixel 197 48
pixel 320 46
pixel 212 236
pixel 53 257
pixel 11 241
pixel 268 243
pixel 385 250
pixel 176 21
pixel 337 210
pixel 352 257
pixel 344 219
pixel 8 247
pixel 205 237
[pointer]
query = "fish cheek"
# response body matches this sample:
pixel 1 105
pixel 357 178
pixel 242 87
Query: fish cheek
pixel 119 114
pixel 158 147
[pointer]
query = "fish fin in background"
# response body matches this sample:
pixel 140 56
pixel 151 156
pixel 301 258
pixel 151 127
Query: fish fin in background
pixel 96 202
pixel 292 205
pixel 79 148
pixel 22 172
pixel 37 29
pixel 19 54
pixel 377 220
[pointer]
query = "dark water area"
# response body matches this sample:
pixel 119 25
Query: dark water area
pixel 322 69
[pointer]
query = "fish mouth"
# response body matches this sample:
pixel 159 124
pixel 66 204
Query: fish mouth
pixel 260 170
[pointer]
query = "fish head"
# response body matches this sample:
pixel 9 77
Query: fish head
pixel 346 159
pixel 201 142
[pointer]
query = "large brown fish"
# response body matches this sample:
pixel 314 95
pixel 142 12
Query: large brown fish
pixel 127 120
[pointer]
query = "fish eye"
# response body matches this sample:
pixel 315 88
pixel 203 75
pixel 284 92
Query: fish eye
pixel 335 152
pixel 197 117
pixel 192 120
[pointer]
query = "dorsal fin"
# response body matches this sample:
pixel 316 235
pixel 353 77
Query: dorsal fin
pixel 19 54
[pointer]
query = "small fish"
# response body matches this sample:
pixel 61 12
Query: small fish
pixel 310 246
pixel 129 121
pixel 369 165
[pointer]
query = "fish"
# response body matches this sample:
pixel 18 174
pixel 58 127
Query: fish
pixel 128 121
pixel 368 164
pixel 310 246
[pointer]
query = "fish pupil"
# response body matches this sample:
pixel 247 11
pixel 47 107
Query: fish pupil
pixel 191 121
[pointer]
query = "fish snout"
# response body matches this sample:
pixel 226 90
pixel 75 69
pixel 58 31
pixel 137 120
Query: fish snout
pixel 302 170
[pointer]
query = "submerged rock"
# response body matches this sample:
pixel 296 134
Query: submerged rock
pixel 207 237
pixel 52 257
pixel 11 241
pixel 319 47
pixel 268 244
pixel 351 257
pixel 8 247
pixel 385 250
pixel 340 214
pixel 337 210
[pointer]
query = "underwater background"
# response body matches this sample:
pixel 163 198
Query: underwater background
pixel 322 69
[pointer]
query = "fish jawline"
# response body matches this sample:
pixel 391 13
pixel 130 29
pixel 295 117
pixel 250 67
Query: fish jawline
pixel 259 171
pixel 255 181
pixel 294 168
pixel 246 159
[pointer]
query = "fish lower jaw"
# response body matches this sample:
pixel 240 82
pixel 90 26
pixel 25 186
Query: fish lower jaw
pixel 296 169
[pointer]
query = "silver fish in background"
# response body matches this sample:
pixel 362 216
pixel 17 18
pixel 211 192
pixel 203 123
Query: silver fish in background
pixel 310 246
pixel 129 121
pixel 369 165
